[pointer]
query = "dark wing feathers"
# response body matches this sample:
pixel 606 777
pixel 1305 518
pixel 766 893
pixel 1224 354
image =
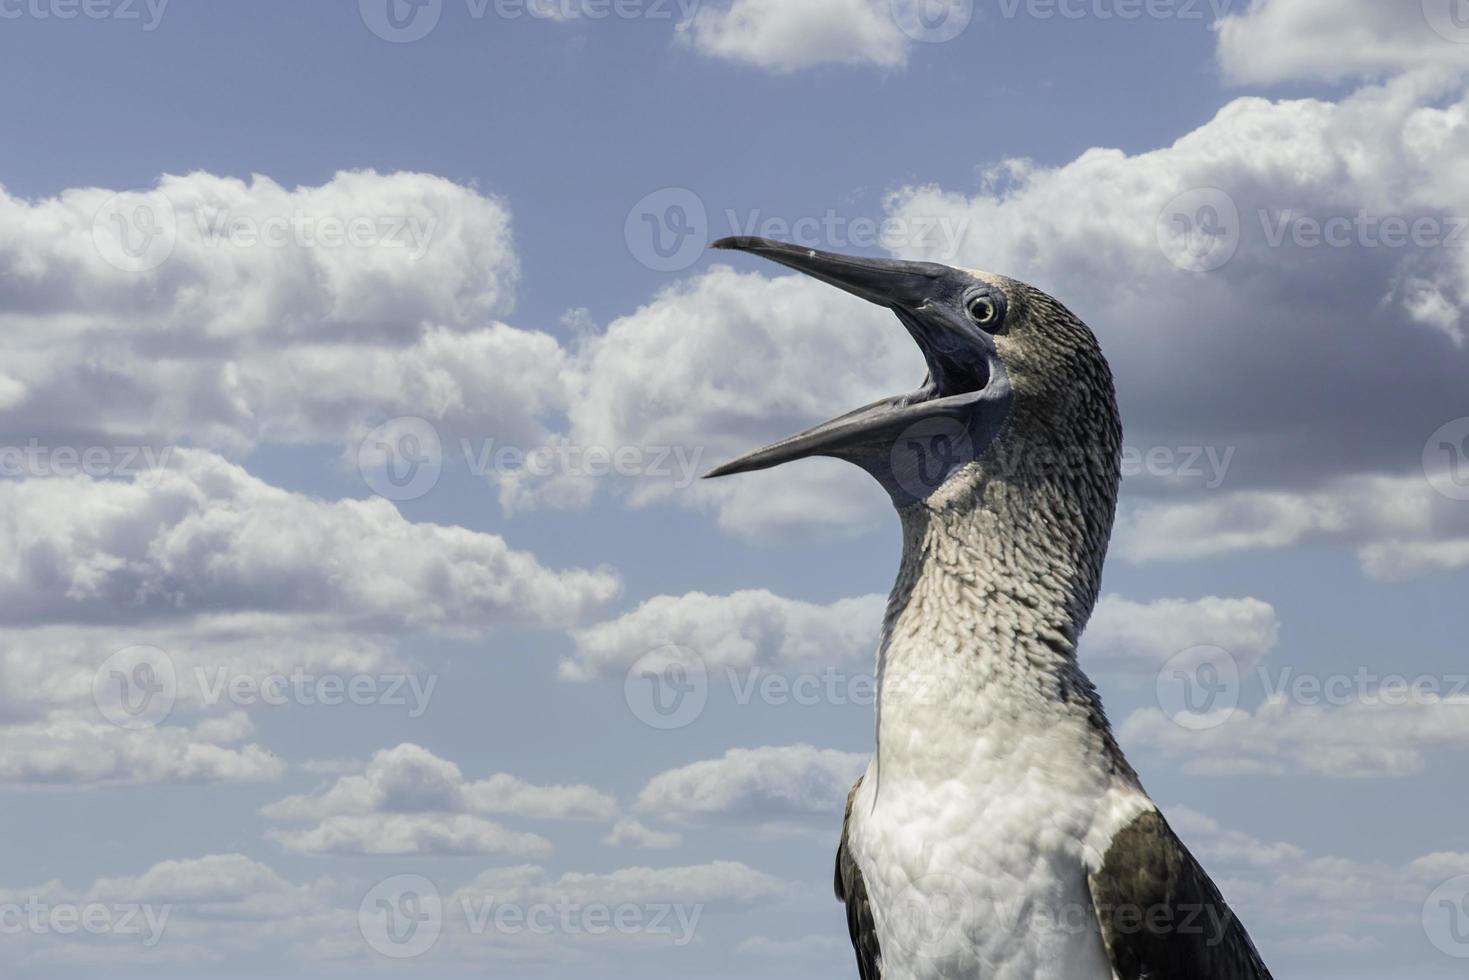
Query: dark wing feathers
pixel 1161 916
pixel 851 891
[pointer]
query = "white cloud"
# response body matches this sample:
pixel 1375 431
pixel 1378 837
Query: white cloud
pixel 405 834
pixel 629 832
pixel 1374 736
pixel 1146 634
pixel 771 785
pixel 68 750
pixel 714 884
pixel 1265 355
pixel 1287 40
pixel 1402 526
pixel 229 342
pixel 744 360
pixel 1298 904
pixel 409 779
pixel 742 630
pixel 203 536
pixel 780 36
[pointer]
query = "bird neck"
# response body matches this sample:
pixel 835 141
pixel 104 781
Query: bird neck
pixel 996 584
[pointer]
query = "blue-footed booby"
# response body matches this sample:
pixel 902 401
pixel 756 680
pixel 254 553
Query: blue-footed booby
pixel 998 832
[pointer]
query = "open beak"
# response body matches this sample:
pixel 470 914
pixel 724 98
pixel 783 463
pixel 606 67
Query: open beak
pixel 962 361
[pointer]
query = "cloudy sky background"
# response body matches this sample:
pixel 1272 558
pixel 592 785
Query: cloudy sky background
pixel 254 257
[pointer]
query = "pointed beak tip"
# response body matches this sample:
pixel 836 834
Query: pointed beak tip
pixel 734 243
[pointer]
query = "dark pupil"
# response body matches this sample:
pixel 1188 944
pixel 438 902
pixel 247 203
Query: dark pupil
pixel 982 310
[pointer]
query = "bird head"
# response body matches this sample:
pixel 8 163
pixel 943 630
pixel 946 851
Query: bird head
pixel 1017 388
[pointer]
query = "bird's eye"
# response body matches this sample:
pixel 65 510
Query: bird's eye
pixel 982 311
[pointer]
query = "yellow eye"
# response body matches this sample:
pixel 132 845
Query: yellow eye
pixel 982 310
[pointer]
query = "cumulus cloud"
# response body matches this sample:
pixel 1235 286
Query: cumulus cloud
pixel 70 750
pixel 223 313
pixel 405 834
pixel 1379 734
pixel 719 883
pixel 778 36
pixel 629 832
pixel 742 630
pixel 203 536
pixel 409 778
pixel 1146 634
pixel 1402 526
pixel 1300 905
pixel 1288 40
pixel 743 360
pixel 770 785
pixel 1267 353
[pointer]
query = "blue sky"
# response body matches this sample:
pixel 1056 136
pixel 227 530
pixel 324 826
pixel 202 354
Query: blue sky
pixel 265 364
